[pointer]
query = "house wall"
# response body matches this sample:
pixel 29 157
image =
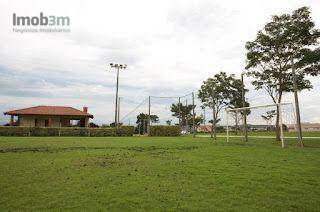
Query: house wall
pixel 65 122
pixel 26 121
pixel 55 122
pixel 29 121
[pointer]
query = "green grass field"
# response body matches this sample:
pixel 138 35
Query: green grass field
pixel 157 174
pixel 267 133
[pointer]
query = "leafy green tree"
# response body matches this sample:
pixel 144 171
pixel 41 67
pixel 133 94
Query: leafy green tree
pixel 185 113
pixel 288 40
pixel 217 120
pixel 169 122
pixel 218 92
pixel 269 115
pixel 197 121
pixel 142 122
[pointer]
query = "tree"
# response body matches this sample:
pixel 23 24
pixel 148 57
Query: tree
pixel 217 121
pixel 269 115
pixel 197 121
pixel 142 121
pixel 185 113
pixel 288 38
pixel 216 93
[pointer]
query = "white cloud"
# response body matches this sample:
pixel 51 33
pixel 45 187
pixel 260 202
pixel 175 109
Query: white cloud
pixel 170 48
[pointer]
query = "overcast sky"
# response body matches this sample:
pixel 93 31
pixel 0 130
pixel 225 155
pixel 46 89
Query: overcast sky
pixel 170 47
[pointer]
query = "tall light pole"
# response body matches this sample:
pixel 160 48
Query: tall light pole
pixel 193 117
pixel 117 67
pixel 179 112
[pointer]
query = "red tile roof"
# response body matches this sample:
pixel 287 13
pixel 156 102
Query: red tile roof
pixel 205 128
pixel 49 110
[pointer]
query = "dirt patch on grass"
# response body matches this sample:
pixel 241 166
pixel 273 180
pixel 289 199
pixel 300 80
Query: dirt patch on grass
pixel 47 149
pixel 130 156
pixel 117 159
pixel 62 149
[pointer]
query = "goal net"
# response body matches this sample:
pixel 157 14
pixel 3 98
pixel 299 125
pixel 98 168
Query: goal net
pixel 261 121
pixel 163 110
pixel 136 114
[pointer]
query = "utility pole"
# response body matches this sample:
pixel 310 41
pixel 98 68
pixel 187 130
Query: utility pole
pixel 118 119
pixel 296 101
pixel 245 130
pixel 117 67
pixel 193 117
pixel 186 115
pixel 149 118
pixel 179 113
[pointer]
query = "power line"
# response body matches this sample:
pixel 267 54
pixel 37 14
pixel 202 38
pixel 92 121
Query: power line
pixel 171 97
pixel 143 101
pixel 186 95
pixel 165 97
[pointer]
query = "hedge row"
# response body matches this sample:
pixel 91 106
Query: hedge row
pixel 165 130
pixel 66 131
pixel 93 132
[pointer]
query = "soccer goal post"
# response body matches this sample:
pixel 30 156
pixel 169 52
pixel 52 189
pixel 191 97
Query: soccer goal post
pixel 261 121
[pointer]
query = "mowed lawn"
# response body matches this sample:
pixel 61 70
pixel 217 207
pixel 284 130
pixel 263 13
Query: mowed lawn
pixel 157 174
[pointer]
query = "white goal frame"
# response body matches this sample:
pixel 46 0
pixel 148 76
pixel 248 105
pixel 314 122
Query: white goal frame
pixel 279 105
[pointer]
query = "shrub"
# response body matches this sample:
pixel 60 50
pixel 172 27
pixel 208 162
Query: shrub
pixel 41 131
pixel 14 131
pixel 66 131
pixel 74 131
pixel 101 132
pixel 125 131
pixel 220 129
pixel 165 131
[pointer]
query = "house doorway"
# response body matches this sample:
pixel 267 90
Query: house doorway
pixel 46 123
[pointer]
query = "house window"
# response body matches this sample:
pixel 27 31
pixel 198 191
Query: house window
pixel 36 122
